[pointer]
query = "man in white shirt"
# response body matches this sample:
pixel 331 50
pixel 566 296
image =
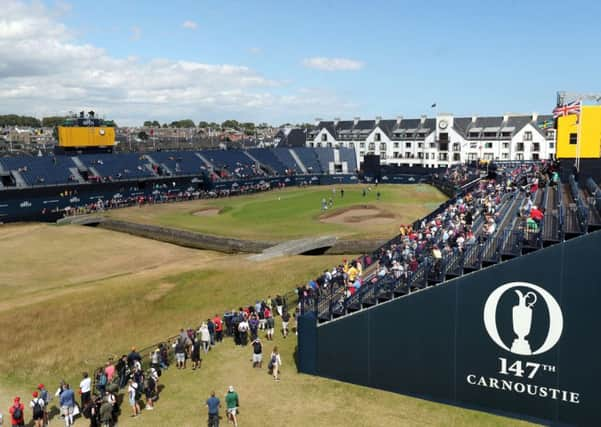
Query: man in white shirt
pixel 85 387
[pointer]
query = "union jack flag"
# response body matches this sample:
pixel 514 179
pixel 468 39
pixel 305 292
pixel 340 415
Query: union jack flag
pixel 563 110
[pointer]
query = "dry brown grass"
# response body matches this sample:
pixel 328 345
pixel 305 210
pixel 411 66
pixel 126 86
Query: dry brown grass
pixel 74 296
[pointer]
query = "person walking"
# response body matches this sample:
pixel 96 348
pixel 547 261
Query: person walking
pixel 218 328
pixel 232 402
pixel 85 387
pixel 257 353
pixel 213 405
pixel 275 363
pixel 46 398
pixel 132 395
pixel 16 411
pixel 285 320
pixel 37 406
pixel 205 337
pixel 67 402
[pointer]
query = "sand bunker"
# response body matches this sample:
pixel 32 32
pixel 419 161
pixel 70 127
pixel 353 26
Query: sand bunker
pixel 207 212
pixel 366 215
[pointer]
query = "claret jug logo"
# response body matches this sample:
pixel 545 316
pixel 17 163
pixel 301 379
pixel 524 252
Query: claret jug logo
pixel 531 303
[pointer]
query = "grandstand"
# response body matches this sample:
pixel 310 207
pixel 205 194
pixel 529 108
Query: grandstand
pixel 42 187
pixel 517 226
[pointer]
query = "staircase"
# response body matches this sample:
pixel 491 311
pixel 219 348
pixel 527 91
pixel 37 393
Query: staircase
pixel 75 173
pixel 205 160
pixel 298 161
pixel 19 181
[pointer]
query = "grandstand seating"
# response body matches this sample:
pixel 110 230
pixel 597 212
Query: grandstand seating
pixel 283 154
pixel 309 158
pixel 178 162
pixel 348 156
pixel 112 167
pixel 513 236
pixel 231 163
pixel 41 170
pixel 325 156
pixel 268 158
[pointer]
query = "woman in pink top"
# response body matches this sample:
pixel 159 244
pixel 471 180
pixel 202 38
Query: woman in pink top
pixel 109 371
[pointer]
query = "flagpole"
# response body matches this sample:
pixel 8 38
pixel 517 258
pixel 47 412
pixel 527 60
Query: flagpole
pixel 578 135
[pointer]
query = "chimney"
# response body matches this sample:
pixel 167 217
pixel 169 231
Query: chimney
pixel 356 120
pixel 317 120
pixel 378 118
pixel 474 119
pixel 336 120
pixel 422 119
pixel 505 117
pixel 399 119
pixel 534 117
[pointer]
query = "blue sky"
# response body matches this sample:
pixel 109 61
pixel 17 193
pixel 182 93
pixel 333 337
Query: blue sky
pixel 300 60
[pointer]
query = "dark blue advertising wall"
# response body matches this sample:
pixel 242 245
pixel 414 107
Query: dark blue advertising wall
pixel 519 337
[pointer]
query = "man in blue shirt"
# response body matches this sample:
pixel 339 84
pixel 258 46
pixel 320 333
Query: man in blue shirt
pixel 213 404
pixel 67 401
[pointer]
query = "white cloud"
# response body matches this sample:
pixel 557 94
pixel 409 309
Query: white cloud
pixel 190 25
pixel 136 32
pixel 332 64
pixel 45 70
pixel 255 50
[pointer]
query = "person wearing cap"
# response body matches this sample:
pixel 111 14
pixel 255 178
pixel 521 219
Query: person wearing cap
pixel 232 402
pixel 44 395
pixel 37 406
pixel 16 411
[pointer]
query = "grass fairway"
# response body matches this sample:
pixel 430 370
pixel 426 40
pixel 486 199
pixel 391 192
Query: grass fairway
pixel 295 213
pixel 72 296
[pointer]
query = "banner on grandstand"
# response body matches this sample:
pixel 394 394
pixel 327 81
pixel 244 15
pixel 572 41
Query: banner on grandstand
pixel 517 337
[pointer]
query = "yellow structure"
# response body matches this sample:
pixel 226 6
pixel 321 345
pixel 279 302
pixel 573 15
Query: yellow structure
pixel 590 134
pixel 86 136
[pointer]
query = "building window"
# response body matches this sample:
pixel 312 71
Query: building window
pixel 551 145
pixel 519 156
pixel 505 156
pixel 324 136
pixel 420 145
pixel 573 138
pixel 396 145
pixel 318 144
pixel 329 145
pixel 490 134
pixel 536 146
pixel 456 157
pixel 528 136
pixel 443 156
pixel 506 145
pixel 456 146
pixel 396 155
pixel 383 146
pixel 488 156
pixel 371 146
pixel 473 145
pixel 361 153
pixel 505 134
pixel 351 145
pixel 472 156
pixel 408 145
pixel 534 156
pixel 432 145
pixel 311 145
pixel 519 146
pixel 488 145
pixel 443 136
pixel 383 156
pixel 409 135
pixel 420 155
pixel 362 145
pixel 378 137
pixel 474 134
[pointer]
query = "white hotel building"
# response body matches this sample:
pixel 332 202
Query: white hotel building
pixel 440 141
